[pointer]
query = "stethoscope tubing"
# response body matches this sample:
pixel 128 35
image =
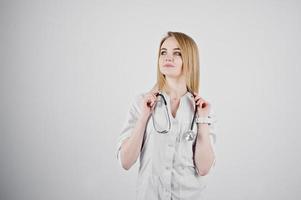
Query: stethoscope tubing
pixel 169 123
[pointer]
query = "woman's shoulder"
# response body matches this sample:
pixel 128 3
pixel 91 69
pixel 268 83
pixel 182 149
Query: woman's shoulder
pixel 137 99
pixel 140 95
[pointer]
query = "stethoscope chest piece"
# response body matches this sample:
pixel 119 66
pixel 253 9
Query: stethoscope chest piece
pixel 189 135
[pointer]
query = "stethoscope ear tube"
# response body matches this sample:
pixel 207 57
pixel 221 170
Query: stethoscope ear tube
pixel 161 95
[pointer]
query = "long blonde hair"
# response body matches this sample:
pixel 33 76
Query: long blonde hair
pixel 190 57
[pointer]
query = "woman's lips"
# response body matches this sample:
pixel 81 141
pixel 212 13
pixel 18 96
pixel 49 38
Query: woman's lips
pixel 168 65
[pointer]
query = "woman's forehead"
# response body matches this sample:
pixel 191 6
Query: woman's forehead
pixel 170 43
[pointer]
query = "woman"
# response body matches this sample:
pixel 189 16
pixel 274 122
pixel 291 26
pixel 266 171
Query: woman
pixel 172 163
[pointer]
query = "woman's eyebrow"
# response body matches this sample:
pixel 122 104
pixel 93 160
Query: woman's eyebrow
pixel 173 49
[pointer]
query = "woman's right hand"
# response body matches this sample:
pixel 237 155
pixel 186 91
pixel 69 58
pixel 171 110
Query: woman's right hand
pixel 148 103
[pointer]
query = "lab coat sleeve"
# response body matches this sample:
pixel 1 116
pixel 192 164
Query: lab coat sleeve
pixel 213 132
pixel 129 124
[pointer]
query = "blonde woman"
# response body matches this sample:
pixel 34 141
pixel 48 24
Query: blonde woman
pixel 169 128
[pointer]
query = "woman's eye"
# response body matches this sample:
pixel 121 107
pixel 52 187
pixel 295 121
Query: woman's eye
pixel 163 53
pixel 175 53
pixel 178 54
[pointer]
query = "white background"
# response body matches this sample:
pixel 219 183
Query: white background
pixel 69 70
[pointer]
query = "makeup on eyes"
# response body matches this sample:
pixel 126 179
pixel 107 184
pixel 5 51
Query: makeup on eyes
pixel 176 52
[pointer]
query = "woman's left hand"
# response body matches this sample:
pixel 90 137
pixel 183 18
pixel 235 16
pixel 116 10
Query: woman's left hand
pixel 203 106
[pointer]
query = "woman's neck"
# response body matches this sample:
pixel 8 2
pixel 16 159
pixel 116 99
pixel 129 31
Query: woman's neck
pixel 175 88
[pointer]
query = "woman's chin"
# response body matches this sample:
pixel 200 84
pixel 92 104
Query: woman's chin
pixel 171 75
pixel 170 72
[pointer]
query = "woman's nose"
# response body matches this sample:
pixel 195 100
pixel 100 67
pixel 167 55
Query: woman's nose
pixel 168 57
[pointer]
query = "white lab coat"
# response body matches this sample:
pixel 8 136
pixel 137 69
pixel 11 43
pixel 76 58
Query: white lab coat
pixel 166 168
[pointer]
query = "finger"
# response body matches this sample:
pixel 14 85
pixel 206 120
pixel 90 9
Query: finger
pixel 154 92
pixel 200 102
pixel 154 104
pixel 150 102
pixel 196 94
pixel 197 98
pixel 153 100
pixel 203 105
pixel 151 97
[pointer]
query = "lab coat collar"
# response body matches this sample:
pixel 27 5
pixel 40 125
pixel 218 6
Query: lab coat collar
pixel 187 94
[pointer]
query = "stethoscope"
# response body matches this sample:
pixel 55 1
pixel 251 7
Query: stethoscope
pixel 189 135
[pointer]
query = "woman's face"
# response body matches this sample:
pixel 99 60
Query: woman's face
pixel 170 59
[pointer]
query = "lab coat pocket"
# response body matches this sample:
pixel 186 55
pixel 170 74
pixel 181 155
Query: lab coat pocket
pixel 201 181
pixel 194 183
pixel 191 187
